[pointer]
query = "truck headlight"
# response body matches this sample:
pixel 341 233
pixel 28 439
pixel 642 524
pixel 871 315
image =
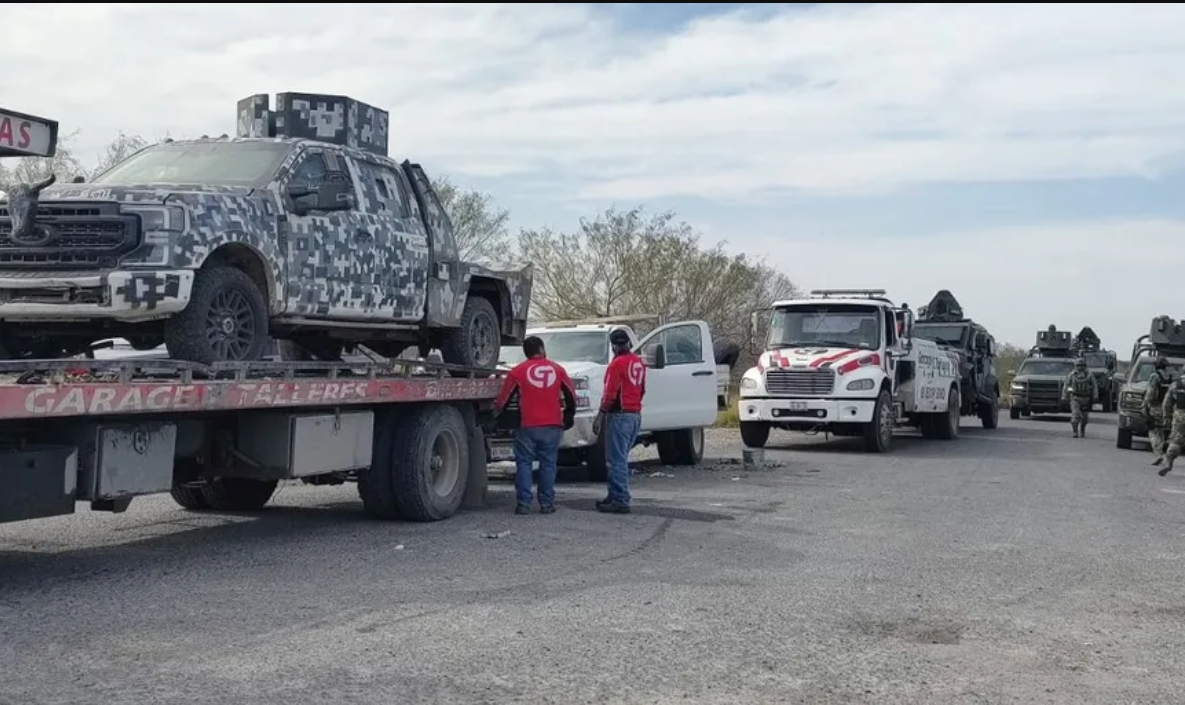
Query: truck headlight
pixel 860 385
pixel 1017 387
pixel 748 384
pixel 580 383
pixel 155 219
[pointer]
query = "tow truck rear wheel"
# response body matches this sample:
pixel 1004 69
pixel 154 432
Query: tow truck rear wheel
pixel 946 424
pixel 682 447
pixel 237 494
pixel 429 464
pixel 226 320
pixel 754 434
pixel 878 433
pixel 477 342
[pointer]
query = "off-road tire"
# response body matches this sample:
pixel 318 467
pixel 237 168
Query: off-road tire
pixel 989 414
pixel 186 333
pixel 596 459
pixel 1014 413
pixel 376 484
pixel 236 494
pixel 878 433
pixel 190 497
pixel 1123 439
pixel 946 424
pixel 459 346
pixel 755 434
pixel 682 447
pixel 419 494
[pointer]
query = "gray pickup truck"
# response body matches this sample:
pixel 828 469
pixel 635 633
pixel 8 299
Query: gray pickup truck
pixel 300 228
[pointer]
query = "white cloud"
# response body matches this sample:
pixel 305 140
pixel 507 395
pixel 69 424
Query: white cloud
pixel 839 98
pixel 1113 276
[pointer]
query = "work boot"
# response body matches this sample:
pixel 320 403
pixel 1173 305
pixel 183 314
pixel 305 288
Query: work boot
pixel 522 509
pixel 1166 469
pixel 1082 433
pixel 547 509
pixel 1158 461
pixel 613 507
pixel 1075 431
pixel 603 502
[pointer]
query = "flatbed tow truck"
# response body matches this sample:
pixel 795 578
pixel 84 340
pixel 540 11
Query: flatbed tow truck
pixel 221 437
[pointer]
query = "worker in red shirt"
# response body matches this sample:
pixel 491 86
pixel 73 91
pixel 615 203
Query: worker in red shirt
pixel 620 419
pixel 546 408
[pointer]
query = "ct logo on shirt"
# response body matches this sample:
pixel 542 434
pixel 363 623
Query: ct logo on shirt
pixel 637 373
pixel 542 376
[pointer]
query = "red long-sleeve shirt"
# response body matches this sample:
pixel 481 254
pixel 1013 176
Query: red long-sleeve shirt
pixel 544 391
pixel 625 384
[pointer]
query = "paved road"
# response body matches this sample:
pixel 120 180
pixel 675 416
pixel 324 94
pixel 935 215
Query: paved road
pixel 1015 565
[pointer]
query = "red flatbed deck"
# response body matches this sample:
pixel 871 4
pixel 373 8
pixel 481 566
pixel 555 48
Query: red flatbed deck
pixel 42 389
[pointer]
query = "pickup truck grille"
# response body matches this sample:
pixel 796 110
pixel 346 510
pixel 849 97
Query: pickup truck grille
pixel 86 235
pixel 800 383
pixel 1043 393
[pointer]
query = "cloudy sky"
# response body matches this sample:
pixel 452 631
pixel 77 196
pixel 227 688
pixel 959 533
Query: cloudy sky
pixel 1028 157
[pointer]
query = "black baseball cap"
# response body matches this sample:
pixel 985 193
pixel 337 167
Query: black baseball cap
pixel 619 337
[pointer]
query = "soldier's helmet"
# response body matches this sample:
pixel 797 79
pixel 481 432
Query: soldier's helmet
pixel 1162 362
pixel 1080 364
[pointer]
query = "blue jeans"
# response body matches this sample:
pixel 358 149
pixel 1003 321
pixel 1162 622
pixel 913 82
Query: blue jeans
pixel 623 433
pixel 540 443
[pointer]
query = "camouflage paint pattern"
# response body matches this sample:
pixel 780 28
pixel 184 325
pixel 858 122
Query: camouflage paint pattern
pixel 333 119
pixel 386 260
pixel 1154 412
pixel 1079 411
pixel 1176 437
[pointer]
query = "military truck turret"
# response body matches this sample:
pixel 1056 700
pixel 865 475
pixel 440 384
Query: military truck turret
pixel 942 321
pixel 1037 385
pixel 1165 337
pixel 300 228
pixel 1101 363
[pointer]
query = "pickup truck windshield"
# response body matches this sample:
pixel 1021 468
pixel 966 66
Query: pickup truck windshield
pixel 566 346
pixel 1058 368
pixel 245 164
pixel 1095 360
pixel 1143 371
pixel 825 325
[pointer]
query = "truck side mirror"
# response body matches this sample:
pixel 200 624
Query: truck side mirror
pixel 660 357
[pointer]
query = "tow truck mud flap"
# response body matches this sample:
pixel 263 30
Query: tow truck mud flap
pixel 121 461
pixel 37 482
pixel 288 446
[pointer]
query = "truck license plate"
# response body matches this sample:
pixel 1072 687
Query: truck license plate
pixel 798 406
pixel 501 451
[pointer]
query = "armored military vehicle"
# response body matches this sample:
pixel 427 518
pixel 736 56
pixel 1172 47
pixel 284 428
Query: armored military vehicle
pixel 300 228
pixel 1038 384
pixel 942 321
pixel 1101 363
pixel 1165 337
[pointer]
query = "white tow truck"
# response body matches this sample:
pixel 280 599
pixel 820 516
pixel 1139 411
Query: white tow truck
pixel 844 361
pixel 682 391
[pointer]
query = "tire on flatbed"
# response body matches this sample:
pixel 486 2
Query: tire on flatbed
pixel 221 296
pixel 238 494
pixel 430 463
pixel 682 447
pixel 477 342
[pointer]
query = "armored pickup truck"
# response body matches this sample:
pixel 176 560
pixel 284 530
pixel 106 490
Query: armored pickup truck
pixel 299 228
pixel 1038 384
pixel 942 321
pixel 1166 338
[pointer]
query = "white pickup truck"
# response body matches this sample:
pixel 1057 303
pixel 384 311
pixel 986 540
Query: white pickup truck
pixel 682 390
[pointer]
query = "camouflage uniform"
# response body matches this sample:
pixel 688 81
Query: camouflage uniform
pixel 1174 408
pixel 1082 390
pixel 1153 409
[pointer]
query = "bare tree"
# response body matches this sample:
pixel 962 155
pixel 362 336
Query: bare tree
pixel 625 263
pixel 480 226
pixel 119 149
pixel 27 169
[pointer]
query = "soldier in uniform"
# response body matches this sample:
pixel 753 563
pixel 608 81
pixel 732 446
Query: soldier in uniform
pixel 1082 391
pixel 1153 408
pixel 1174 409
